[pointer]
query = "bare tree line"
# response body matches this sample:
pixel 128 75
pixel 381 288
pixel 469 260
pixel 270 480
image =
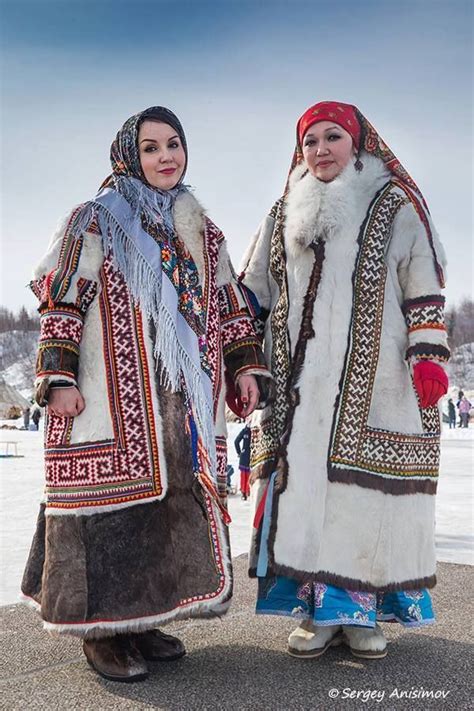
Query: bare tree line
pixel 460 323
pixel 22 321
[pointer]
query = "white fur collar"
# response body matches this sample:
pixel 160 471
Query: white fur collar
pixel 188 216
pixel 317 209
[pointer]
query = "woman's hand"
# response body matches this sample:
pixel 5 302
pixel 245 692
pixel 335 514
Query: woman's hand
pixel 249 393
pixel 65 402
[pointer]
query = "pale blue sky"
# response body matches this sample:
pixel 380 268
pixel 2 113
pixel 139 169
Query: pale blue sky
pixel 238 74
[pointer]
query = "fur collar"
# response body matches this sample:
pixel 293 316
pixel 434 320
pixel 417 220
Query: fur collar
pixel 189 216
pixel 316 209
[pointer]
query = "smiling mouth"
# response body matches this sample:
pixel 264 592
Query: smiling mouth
pixel 167 171
pixel 324 163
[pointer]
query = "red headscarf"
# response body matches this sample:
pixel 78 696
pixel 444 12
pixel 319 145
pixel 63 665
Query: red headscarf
pixel 342 114
pixel 363 134
pixel 365 138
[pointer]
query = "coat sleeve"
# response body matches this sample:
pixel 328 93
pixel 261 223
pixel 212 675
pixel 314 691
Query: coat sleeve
pixel 423 303
pixel 255 267
pixel 65 283
pixel 240 343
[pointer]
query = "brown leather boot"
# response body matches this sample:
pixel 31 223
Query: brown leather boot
pixel 116 658
pixel 156 646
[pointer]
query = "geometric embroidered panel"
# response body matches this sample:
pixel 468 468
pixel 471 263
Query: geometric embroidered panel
pixel 390 461
pixel 125 469
pixel 265 439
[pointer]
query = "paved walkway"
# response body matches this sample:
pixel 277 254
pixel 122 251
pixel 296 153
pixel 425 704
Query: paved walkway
pixel 240 663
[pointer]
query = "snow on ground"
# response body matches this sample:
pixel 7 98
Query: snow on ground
pixel 21 484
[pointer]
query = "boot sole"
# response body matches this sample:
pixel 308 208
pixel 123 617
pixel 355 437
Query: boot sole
pixel 363 653
pixel 368 655
pixel 315 653
pixel 121 679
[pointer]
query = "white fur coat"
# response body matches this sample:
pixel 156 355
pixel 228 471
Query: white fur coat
pixel 96 338
pixel 368 536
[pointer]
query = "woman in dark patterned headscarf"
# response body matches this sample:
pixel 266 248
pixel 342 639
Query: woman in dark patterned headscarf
pixel 141 322
pixel 345 462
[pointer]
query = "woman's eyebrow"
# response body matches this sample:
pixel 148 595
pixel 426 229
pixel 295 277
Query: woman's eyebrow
pixel 331 128
pixel 153 140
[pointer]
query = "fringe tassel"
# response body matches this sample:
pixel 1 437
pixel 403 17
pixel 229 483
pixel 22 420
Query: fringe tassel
pixel 209 487
pixel 155 205
pixel 146 287
pixel 145 284
pixel 202 465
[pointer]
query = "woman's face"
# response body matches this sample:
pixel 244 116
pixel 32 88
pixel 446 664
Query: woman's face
pixel 162 155
pixel 327 149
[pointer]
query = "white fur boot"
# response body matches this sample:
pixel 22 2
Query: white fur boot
pixel 310 641
pixel 366 642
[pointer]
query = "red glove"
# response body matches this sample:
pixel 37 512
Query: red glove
pixel 431 382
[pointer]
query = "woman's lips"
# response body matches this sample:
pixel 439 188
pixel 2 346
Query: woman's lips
pixel 167 171
pixel 324 163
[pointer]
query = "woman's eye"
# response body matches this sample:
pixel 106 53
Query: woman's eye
pixel 150 149
pixel 174 144
pixel 309 142
pixel 334 137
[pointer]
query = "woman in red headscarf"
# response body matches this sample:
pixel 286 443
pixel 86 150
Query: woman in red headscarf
pixel 348 268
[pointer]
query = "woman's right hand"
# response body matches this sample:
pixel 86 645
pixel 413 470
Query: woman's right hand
pixel 65 402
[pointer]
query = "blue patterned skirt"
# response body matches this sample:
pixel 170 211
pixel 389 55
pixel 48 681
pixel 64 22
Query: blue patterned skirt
pixel 328 605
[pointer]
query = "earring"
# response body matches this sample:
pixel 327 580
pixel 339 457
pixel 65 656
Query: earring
pixel 358 165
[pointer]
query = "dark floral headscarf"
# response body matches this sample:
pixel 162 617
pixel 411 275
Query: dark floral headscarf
pixel 124 155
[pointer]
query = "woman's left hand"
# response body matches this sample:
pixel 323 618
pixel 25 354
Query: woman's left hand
pixel 249 393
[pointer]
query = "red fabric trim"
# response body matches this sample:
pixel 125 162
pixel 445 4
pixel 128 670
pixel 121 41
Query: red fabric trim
pixel 423 326
pixel 260 509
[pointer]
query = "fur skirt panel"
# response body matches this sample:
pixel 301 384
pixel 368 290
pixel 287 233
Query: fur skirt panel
pixel 138 567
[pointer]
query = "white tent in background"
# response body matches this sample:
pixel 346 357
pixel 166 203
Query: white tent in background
pixel 10 400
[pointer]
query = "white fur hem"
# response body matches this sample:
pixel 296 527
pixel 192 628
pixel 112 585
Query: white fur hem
pixel 219 605
pixel 54 379
pixel 428 335
pixel 104 628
